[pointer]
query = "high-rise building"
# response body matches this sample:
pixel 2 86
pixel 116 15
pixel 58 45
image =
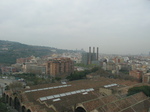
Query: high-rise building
pixel 60 66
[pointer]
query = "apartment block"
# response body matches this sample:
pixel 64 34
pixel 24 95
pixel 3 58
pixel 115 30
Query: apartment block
pixel 136 73
pixel 59 66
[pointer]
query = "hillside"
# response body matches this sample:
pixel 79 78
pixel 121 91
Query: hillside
pixel 10 51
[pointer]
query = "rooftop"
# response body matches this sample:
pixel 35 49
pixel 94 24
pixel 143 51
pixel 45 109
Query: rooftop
pixel 64 97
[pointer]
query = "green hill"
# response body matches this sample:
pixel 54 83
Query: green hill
pixel 10 51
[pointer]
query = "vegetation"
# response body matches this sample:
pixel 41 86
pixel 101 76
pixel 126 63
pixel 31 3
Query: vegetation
pixel 57 78
pixel 33 79
pixel 144 89
pixel 30 78
pixel 124 71
pixel 101 72
pixel 81 75
pixel 85 66
pixel 108 74
pixel 3 106
pixel 14 86
pixel 16 50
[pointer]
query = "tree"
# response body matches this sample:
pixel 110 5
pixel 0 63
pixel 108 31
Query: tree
pixel 81 74
pixel 14 86
pixel 57 78
pixel 3 106
pixel 94 69
pixel 144 89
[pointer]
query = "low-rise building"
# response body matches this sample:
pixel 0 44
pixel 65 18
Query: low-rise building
pixel 136 74
pixel 146 78
pixel 109 66
pixel 77 96
pixel 34 68
pixel 8 70
pixel 24 60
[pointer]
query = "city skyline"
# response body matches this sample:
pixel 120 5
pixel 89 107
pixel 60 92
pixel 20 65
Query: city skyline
pixel 116 27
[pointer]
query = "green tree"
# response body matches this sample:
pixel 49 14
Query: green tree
pixel 3 106
pixel 144 89
pixel 57 78
pixel 15 86
pixel 81 74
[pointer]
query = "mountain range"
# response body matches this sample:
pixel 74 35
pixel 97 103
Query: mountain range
pixel 10 51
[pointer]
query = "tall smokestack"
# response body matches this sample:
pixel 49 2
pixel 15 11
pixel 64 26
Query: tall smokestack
pixel 89 49
pixel 89 61
pixel 97 53
pixel 93 49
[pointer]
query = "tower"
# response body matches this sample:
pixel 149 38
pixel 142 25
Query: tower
pixel 89 61
pixel 93 49
pixel 97 53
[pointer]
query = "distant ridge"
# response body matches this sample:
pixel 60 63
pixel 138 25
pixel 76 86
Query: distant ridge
pixel 10 51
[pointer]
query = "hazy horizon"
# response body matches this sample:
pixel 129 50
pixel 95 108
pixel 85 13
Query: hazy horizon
pixel 116 27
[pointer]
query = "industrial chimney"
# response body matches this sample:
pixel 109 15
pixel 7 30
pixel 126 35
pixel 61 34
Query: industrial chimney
pixel 89 61
pixel 97 53
pixel 93 49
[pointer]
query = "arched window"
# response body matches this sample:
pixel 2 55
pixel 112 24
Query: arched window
pixel 28 110
pixel 23 109
pixel 80 109
pixel 4 96
pixel 7 99
pixel 10 101
pixel 17 104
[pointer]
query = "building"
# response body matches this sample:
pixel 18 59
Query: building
pixel 125 66
pixel 24 60
pixel 136 74
pixel 88 58
pixel 59 67
pixel 146 78
pixel 110 66
pixel 8 70
pixel 72 97
pixel 33 68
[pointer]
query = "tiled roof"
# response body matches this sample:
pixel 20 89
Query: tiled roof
pixel 92 100
pixel 75 85
pixel 142 106
pixel 91 105
pixel 135 103
pixel 67 102
pixel 128 110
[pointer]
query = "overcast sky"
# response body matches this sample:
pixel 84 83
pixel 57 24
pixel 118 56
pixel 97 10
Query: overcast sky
pixel 115 26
